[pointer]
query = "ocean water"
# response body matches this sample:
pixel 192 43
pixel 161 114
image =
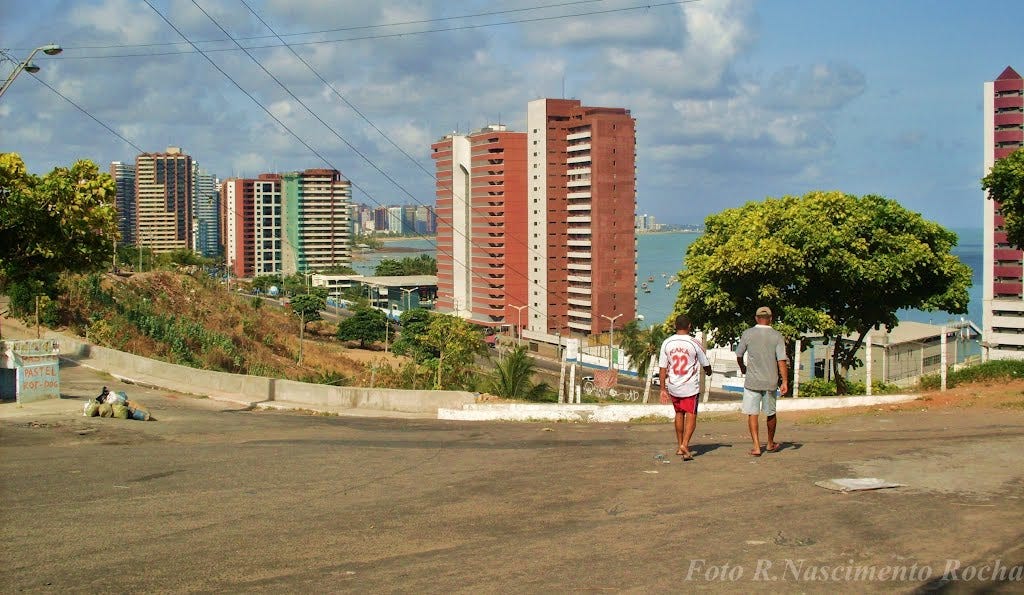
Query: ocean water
pixel 660 256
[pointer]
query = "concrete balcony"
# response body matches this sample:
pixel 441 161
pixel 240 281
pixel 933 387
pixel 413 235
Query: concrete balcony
pixel 579 207
pixel 586 255
pixel 578 278
pixel 580 314
pixel 584 183
pixel 584 194
pixel 578 231
pixel 578 135
pixel 579 243
pixel 578 219
pixel 578 148
pixel 578 171
pixel 578 267
pixel 578 159
pixel 579 290
pixel 577 302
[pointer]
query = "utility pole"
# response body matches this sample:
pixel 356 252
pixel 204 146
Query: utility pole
pixel 611 336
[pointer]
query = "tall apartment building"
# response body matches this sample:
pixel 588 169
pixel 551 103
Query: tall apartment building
pixel 1003 285
pixel 581 202
pixel 254 227
pixel 481 225
pixel 206 238
pixel 316 221
pixel 163 200
pixel 124 201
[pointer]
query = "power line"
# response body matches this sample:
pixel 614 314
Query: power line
pixel 508 239
pixel 341 138
pixel 257 102
pixel 336 30
pixel 86 112
pixel 196 49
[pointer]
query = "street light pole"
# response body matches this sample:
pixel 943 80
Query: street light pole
pixel 408 296
pixel 50 50
pixel 520 309
pixel 611 336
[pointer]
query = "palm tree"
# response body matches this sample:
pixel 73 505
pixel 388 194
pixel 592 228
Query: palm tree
pixel 513 377
pixel 642 347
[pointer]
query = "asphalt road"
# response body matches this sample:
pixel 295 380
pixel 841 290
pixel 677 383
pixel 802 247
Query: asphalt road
pixel 212 498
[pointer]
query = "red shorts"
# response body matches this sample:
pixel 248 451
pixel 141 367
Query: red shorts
pixel 685 404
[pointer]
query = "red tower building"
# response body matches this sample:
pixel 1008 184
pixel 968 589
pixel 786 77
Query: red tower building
pixel 1003 301
pixel 481 224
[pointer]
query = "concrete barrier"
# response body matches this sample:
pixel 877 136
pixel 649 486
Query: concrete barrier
pixel 624 412
pixel 250 390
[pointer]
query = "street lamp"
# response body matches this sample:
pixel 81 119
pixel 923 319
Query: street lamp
pixel 611 336
pixel 408 295
pixel 520 309
pixel 49 49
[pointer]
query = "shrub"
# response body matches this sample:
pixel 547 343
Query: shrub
pixel 1003 369
pixel 819 387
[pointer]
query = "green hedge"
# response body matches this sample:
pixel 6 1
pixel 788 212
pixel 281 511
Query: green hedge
pixel 991 370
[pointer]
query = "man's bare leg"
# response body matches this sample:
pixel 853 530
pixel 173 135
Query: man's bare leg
pixel 679 433
pixel 690 425
pixel 770 422
pixel 752 425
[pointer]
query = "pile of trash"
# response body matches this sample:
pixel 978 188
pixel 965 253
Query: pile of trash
pixel 115 404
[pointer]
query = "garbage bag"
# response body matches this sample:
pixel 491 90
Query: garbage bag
pixel 121 410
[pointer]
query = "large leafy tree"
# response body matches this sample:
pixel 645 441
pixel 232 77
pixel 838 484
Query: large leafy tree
pixel 826 262
pixel 457 344
pixel 1005 185
pixel 410 340
pixel 63 222
pixel 513 377
pixel 366 325
pixel 642 347
pixel 308 306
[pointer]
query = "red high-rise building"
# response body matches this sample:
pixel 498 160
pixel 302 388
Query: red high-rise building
pixel 1003 285
pixel 581 202
pixel 253 225
pixel 481 224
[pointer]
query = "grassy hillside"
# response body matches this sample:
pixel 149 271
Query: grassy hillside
pixel 194 321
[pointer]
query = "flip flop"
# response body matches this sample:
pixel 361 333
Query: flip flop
pixel 687 456
pixel 776 448
pixel 754 454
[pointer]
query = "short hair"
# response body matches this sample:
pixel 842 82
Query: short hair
pixel 683 321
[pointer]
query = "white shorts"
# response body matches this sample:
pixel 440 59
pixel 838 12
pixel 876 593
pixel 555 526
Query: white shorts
pixel 756 401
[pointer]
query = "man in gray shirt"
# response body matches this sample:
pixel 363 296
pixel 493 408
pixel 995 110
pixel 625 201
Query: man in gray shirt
pixel 765 370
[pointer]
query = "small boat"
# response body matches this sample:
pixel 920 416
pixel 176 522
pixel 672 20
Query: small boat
pixel 651 278
pixel 646 290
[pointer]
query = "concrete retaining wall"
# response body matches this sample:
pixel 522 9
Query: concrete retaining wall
pixel 254 389
pixel 625 413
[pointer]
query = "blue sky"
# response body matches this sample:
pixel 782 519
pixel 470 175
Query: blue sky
pixel 735 100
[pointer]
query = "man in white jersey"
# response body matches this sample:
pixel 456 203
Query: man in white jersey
pixel 765 372
pixel 680 380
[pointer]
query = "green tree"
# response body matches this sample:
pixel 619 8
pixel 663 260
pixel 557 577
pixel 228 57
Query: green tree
pixel 308 306
pixel 826 262
pixel 457 344
pixel 340 269
pixel 389 267
pixel 424 264
pixel 642 347
pixel 1005 185
pixel 366 325
pixel 513 377
pixel 63 222
pixel 410 339
pixel 263 283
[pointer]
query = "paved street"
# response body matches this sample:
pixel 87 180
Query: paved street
pixel 211 497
